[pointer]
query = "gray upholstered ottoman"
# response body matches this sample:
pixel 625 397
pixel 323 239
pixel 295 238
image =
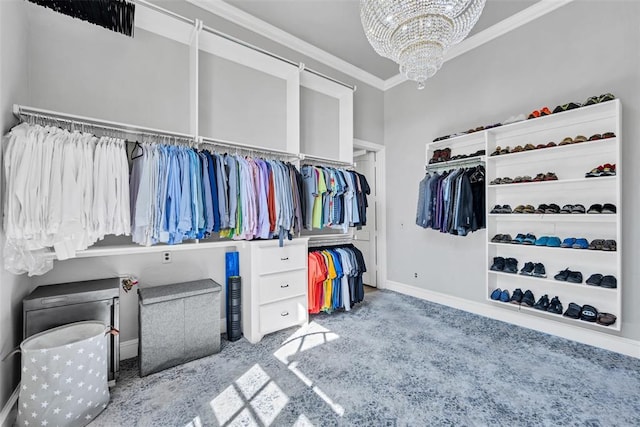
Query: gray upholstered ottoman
pixel 177 323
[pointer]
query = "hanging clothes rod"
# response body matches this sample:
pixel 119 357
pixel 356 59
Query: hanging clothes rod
pixel 246 147
pixel 324 76
pixel 241 42
pixel 455 164
pixel 21 111
pixel 324 161
pixel 340 239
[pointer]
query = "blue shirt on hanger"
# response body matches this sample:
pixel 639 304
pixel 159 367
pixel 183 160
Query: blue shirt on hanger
pixel 213 181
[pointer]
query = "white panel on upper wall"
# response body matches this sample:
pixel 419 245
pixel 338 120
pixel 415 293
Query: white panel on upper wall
pixel 316 95
pixel 164 25
pixel 241 104
pixel 319 124
pixel 254 88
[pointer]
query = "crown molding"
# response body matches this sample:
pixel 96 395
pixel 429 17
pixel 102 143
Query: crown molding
pixel 503 27
pixel 394 81
pixel 258 26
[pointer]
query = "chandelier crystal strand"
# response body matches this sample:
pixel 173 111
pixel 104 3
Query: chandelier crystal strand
pixel 416 34
pixel 467 20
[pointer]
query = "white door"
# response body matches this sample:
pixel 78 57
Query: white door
pixel 366 238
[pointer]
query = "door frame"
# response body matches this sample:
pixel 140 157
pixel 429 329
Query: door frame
pixel 381 213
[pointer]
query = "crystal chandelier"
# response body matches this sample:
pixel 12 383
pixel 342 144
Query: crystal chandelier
pixel 417 33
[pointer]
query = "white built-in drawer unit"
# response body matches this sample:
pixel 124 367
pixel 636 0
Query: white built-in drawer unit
pixel 275 297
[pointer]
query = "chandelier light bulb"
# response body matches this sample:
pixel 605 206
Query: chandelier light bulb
pixel 417 34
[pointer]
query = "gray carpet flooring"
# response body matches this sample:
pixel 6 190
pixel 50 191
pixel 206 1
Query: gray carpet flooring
pixel 393 361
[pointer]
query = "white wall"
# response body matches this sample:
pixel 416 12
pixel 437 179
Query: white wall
pixel 241 104
pixel 13 88
pixel 582 49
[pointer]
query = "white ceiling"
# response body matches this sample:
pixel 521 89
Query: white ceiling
pixel 334 26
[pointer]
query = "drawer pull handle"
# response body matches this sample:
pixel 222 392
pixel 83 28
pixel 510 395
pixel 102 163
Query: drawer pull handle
pixel 284 259
pixel 284 313
pixel 284 286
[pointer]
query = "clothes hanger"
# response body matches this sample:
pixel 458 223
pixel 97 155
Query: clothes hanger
pixel 136 147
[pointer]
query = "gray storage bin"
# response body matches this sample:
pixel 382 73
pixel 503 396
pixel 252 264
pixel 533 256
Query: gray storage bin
pixel 55 305
pixel 177 323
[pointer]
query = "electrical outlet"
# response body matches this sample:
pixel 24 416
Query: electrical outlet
pixel 166 257
pixel 415 275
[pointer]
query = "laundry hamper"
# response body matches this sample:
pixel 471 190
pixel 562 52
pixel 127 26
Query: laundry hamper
pixel 177 323
pixel 64 376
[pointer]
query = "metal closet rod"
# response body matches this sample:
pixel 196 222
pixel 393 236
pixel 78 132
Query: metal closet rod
pixel 246 147
pixel 327 241
pixel 241 42
pixel 457 164
pixel 320 160
pixel 22 110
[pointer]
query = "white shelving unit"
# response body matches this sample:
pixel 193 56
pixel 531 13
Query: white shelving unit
pixel 569 163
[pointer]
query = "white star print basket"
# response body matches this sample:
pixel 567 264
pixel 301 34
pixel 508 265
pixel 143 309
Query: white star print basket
pixel 64 376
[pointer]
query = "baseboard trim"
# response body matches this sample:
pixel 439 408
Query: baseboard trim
pixel 129 349
pixel 9 407
pixel 223 325
pixel 614 343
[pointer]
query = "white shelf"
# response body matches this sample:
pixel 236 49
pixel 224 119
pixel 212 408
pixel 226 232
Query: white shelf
pixel 604 145
pixel 577 116
pixel 605 218
pixel 598 180
pixel 555 250
pixel 454 163
pixel 134 249
pixel 553 282
pixel 558 317
pixel 466 144
pixel 571 117
pixel 465 140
